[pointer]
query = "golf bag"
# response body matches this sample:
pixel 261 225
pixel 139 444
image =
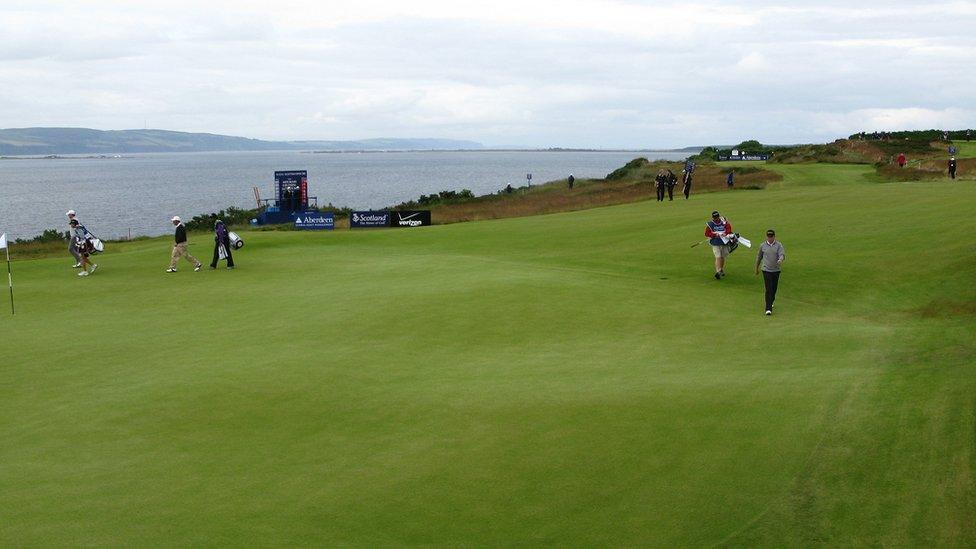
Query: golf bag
pixel 733 240
pixel 236 241
pixel 90 244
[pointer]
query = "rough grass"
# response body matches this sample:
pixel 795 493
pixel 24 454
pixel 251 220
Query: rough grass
pixel 634 183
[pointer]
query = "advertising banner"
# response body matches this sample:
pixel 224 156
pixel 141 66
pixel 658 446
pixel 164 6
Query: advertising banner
pixel 315 221
pixel 360 220
pixel 413 218
pixel 744 157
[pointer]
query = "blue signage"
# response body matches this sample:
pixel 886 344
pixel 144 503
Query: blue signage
pixel 723 158
pixel 369 219
pixel 315 221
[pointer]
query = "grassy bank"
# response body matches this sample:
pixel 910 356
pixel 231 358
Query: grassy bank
pixel 571 379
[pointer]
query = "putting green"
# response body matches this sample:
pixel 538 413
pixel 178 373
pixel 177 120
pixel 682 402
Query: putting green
pixel 571 379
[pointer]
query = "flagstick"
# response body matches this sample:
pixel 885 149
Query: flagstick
pixel 10 280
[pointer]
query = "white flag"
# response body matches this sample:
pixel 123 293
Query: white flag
pixel 3 241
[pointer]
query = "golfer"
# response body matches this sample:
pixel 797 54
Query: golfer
pixel 222 246
pixel 83 246
pixel 715 230
pixel 72 245
pixel 770 258
pixel 179 249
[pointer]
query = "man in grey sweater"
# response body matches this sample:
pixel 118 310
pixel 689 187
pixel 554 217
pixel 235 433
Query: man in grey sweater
pixel 770 258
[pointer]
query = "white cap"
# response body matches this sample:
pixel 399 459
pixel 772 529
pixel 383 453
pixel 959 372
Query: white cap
pixel 176 218
pixel 69 212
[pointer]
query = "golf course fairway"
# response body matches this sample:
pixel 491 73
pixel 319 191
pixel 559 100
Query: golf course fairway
pixel 576 379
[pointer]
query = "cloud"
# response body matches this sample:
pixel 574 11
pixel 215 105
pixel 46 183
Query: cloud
pixel 586 73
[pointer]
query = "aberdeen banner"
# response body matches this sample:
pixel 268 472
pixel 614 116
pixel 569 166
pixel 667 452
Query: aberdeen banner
pixel 315 221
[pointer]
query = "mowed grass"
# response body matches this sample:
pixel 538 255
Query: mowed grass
pixel 572 379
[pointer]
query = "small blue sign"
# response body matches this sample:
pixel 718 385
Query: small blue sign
pixel 369 219
pixel 315 221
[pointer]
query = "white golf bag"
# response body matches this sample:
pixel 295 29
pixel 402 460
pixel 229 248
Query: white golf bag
pixel 235 240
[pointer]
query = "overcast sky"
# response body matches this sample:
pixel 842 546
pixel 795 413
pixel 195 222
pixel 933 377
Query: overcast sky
pixel 586 73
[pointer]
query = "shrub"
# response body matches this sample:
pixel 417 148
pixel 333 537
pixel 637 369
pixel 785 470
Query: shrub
pixel 49 235
pixel 230 216
pixel 434 199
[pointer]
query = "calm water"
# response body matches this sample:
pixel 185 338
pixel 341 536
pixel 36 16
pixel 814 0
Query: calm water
pixel 141 192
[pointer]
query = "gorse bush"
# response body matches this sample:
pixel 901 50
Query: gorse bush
pixel 230 216
pixel 434 199
pixel 49 235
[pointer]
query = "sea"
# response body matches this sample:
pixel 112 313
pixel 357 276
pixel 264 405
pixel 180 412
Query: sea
pixel 137 194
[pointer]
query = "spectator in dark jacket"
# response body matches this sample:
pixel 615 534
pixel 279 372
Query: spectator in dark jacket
pixel 221 244
pixel 952 167
pixel 730 180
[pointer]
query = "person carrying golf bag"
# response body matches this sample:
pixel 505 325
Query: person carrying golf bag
pixel 715 230
pixel 84 246
pixel 222 247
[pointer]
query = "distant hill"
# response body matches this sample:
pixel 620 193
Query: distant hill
pixel 44 141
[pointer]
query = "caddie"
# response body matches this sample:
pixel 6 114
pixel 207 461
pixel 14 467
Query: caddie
pixel 715 229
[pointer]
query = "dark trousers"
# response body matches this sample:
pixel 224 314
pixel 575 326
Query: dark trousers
pixel 660 193
pixel 952 174
pixel 772 282
pixel 687 189
pixel 670 192
pixel 216 256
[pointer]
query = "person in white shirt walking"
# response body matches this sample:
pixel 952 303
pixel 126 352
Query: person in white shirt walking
pixel 770 259
pixel 72 245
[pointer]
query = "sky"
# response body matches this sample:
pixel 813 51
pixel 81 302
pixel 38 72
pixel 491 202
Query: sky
pixel 561 73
